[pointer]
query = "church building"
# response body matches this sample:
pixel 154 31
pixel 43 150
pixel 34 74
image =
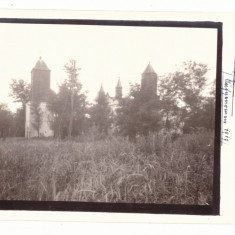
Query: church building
pixel 148 86
pixel 38 117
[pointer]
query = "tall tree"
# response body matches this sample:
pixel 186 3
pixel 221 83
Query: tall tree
pixel 19 122
pixel 73 85
pixel 20 92
pixel 69 106
pixel 170 103
pixel 139 113
pixel 101 114
pixel 184 96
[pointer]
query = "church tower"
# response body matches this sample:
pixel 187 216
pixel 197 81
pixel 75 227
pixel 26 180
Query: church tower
pixel 119 90
pixel 102 98
pixel 38 117
pixel 40 82
pixel 101 91
pixel 149 81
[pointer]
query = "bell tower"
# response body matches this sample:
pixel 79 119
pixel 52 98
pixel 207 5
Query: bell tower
pixel 149 81
pixel 40 82
pixel 38 117
pixel 119 90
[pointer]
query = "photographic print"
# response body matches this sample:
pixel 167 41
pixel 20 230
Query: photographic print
pixel 113 116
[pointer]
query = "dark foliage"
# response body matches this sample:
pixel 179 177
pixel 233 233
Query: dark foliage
pixel 184 100
pixel 139 113
pixel 101 113
pixel 20 92
pixel 6 121
pixel 61 107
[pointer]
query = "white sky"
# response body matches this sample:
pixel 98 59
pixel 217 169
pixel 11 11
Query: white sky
pixel 104 53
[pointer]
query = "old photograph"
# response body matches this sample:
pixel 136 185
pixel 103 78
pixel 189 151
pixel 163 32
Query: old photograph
pixel 109 113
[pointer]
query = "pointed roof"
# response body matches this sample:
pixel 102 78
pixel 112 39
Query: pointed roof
pixel 149 69
pixel 41 65
pixel 119 83
pixel 101 89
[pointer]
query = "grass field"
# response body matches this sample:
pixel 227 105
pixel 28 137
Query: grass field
pixel 155 169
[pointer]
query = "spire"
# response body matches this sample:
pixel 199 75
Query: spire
pixel 149 69
pixel 119 83
pixel 101 97
pixel 119 89
pixel 101 88
pixel 101 91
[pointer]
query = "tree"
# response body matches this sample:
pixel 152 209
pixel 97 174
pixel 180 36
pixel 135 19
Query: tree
pixel 19 122
pixel 6 121
pixel 169 103
pixel 139 113
pixel 101 113
pixel 203 117
pixel 69 106
pixel 73 85
pixel 183 95
pixel 20 92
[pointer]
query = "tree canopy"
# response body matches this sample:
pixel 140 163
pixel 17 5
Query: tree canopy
pixel 138 114
pixel 20 91
pixel 183 95
pixel 69 105
pixel 101 115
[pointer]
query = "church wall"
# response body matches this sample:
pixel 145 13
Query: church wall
pixel 45 126
pixel 27 121
pixel 149 83
pixel 45 129
pixel 40 84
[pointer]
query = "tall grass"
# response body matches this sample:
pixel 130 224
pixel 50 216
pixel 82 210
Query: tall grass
pixel 155 169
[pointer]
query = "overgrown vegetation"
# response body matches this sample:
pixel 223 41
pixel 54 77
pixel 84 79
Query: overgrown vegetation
pixel 152 148
pixel 158 168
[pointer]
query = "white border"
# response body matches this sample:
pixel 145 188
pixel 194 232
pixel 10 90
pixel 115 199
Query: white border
pixel 227 172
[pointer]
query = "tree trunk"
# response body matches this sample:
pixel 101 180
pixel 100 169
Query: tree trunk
pixel 71 114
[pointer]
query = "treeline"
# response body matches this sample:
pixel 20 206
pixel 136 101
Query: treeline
pixel 186 102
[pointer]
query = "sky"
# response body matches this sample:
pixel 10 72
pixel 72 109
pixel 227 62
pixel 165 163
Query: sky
pixel 104 53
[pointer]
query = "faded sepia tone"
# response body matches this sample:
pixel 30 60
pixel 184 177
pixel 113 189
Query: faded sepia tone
pixel 108 114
